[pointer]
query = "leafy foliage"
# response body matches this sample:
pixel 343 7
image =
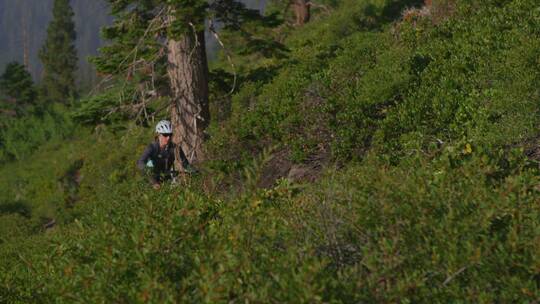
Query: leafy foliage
pixel 451 237
pixel 415 82
pixel 435 199
pixel 20 136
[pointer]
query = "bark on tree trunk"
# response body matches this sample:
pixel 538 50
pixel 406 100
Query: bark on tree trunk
pixel 302 11
pixel 188 75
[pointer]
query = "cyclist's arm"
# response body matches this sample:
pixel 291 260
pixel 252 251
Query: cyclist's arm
pixel 141 163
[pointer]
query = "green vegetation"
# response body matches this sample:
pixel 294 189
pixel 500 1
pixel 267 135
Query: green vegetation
pixel 419 129
pixel 17 85
pixel 26 122
pixel 59 56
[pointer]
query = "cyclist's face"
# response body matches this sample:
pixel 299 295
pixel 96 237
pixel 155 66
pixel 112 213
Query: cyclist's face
pixel 164 139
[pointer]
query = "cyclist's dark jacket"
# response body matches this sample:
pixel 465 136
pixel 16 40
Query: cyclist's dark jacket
pixel 162 159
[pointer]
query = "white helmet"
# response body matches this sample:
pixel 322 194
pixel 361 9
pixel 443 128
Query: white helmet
pixel 164 127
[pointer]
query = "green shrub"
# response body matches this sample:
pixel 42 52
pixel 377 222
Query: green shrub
pixel 474 78
pixel 21 136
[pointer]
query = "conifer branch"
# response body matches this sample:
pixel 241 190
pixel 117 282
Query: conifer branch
pixel 133 53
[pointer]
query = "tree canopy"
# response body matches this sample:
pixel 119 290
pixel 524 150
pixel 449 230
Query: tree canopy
pixel 153 37
pixel 17 85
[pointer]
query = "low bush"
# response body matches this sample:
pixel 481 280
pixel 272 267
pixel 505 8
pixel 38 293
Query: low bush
pixel 21 136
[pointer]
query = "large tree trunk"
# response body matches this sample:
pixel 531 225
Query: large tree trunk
pixel 302 11
pixel 188 74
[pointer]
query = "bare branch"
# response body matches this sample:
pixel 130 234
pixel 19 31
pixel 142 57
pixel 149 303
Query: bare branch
pixel 450 278
pixel 229 58
pixel 321 6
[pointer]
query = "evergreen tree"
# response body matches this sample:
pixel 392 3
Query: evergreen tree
pixel 59 55
pixel 150 35
pixel 17 86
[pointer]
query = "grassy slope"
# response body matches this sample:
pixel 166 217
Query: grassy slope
pixel 440 204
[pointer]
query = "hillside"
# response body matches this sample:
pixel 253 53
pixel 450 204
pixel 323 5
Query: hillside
pixel 391 155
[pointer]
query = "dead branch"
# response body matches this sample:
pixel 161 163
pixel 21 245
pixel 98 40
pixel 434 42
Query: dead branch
pixel 229 58
pixel 321 6
pixel 451 277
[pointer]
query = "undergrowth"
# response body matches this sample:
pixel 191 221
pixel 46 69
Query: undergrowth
pixel 432 198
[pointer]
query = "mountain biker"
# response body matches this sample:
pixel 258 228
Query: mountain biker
pixel 159 156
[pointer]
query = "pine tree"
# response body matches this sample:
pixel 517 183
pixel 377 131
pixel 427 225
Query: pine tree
pixel 150 35
pixel 16 84
pixel 59 55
